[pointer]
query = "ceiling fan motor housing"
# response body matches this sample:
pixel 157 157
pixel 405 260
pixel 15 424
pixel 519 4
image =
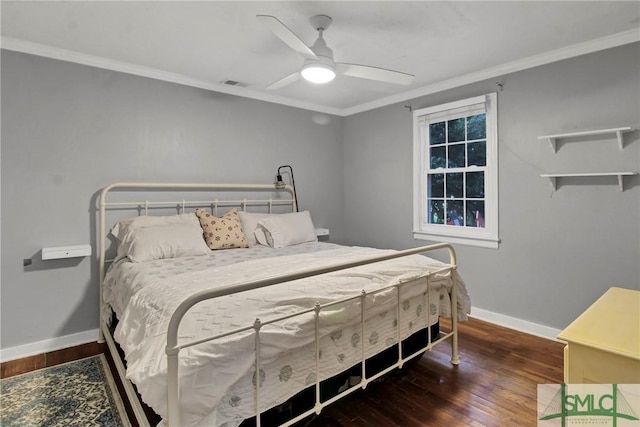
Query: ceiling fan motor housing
pixel 321 61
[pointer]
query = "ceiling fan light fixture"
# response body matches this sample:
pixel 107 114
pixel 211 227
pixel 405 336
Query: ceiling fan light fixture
pixel 317 72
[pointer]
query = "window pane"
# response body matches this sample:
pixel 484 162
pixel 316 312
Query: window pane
pixel 476 127
pixel 438 157
pixel 436 133
pixel 456 130
pixel 455 212
pixel 475 185
pixel 454 186
pixel 456 156
pixel 477 153
pixel 475 213
pixel 436 212
pixel 436 185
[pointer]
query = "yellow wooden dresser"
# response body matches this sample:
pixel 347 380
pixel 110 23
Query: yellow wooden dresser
pixel 603 343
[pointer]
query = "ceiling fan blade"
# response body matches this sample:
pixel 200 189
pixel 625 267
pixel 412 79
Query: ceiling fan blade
pixel 286 35
pixel 284 81
pixel 375 73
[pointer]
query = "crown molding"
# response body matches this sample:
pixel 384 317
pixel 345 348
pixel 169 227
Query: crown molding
pixel 567 52
pixel 607 42
pixel 18 45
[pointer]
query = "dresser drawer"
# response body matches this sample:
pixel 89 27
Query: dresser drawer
pixel 584 365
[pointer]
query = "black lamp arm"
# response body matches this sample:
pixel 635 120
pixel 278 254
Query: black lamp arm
pixel 293 182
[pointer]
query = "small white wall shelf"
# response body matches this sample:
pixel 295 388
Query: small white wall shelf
pixel 620 175
pixel 60 252
pixel 322 232
pixel 617 131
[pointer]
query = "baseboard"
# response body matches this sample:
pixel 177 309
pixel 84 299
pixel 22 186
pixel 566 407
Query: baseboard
pixel 45 346
pixel 515 323
pixel 53 344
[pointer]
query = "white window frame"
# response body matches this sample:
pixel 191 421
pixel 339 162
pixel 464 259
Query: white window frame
pixel 487 236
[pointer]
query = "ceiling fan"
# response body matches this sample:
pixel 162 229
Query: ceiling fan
pixel 319 66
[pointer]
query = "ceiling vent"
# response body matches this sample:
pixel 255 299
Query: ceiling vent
pixel 234 83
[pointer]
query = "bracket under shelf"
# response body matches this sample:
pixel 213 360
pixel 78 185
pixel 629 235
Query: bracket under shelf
pixel 553 177
pixel 618 131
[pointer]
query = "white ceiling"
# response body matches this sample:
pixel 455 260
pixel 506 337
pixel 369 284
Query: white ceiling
pixel 443 43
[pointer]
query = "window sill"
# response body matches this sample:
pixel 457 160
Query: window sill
pixel 481 242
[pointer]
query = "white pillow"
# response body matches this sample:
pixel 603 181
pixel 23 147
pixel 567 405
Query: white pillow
pixel 261 236
pixel 249 221
pixel 163 241
pixel 287 229
pixel 126 226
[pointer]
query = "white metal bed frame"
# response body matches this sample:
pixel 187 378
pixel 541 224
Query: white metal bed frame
pixel 173 347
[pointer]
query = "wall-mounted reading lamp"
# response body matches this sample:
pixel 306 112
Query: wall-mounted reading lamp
pixel 280 183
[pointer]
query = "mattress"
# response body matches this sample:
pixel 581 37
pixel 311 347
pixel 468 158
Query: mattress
pixel 218 378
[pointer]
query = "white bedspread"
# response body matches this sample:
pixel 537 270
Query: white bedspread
pixel 217 378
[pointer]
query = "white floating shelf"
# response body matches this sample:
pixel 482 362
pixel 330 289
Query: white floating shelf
pixel 60 252
pixel 322 232
pixel 620 175
pixel 617 131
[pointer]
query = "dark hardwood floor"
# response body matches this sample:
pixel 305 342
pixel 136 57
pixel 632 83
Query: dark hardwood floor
pixel 52 358
pixel 494 385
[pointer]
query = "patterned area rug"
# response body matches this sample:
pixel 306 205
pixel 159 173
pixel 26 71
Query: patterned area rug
pixel 78 393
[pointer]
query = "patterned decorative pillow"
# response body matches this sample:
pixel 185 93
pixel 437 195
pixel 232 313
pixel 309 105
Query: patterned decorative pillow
pixel 224 232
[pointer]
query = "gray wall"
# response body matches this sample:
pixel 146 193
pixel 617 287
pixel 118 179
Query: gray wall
pixel 560 251
pixel 68 130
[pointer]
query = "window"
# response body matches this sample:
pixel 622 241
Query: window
pixel 456 172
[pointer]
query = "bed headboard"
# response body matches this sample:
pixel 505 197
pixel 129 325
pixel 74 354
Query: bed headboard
pixel 127 199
